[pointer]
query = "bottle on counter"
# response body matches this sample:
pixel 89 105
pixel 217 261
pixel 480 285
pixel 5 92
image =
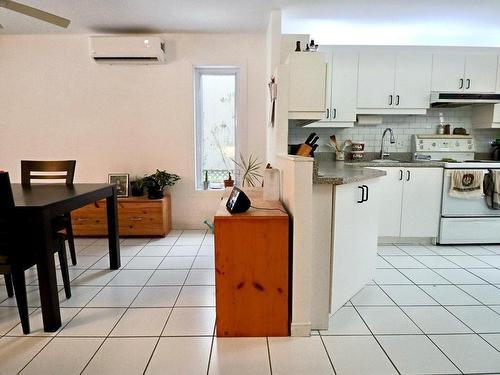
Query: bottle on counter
pixel 297 46
pixel 440 129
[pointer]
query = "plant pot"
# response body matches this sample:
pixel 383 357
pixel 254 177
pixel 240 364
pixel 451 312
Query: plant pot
pixel 228 183
pixel 155 193
pixel 136 191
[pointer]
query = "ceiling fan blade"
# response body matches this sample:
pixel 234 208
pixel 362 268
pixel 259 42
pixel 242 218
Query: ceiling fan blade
pixel 36 13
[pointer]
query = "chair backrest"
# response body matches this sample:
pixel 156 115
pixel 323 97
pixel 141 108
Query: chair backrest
pixel 32 170
pixel 6 206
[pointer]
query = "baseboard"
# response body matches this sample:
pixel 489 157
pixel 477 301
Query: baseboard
pixel 300 329
pixel 407 240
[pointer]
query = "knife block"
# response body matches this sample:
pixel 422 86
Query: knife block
pixel 304 150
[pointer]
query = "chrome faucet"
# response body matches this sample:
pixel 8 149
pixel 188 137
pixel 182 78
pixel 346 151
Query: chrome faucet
pixel 385 155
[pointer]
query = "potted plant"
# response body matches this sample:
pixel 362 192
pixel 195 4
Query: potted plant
pixel 137 186
pixel 250 170
pixel 229 182
pixel 157 182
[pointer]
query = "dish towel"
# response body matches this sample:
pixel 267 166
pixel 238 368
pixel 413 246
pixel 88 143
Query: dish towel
pixel 466 184
pixel 492 189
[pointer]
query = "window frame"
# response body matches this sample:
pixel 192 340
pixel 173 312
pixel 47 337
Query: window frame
pixel 199 71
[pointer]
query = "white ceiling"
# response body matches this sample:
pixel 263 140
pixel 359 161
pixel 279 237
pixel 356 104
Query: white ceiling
pixel 413 22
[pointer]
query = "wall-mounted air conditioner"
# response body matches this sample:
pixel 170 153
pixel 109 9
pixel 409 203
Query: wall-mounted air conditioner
pixel 127 49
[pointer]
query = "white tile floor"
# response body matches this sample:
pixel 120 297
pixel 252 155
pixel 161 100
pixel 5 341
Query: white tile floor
pixel 429 310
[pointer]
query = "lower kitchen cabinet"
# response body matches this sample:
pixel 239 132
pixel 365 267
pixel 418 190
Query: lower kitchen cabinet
pixel 410 202
pixel 355 228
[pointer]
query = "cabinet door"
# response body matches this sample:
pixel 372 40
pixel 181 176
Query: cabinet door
pixel 412 87
pixel 421 202
pixel 344 86
pixel 307 82
pixel 481 73
pixel 354 241
pixel 448 72
pixel 376 79
pixel 328 53
pixel 390 195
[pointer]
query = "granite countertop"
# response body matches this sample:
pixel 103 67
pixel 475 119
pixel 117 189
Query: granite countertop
pixel 412 164
pixel 339 173
pixel 329 171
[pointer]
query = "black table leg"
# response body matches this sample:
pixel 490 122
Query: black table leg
pixel 46 270
pixel 113 235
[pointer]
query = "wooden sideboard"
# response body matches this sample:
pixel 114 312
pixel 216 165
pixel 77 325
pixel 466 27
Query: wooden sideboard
pixel 137 216
pixel 251 263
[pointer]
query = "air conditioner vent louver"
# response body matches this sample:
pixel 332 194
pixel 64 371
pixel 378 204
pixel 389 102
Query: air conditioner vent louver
pixel 127 50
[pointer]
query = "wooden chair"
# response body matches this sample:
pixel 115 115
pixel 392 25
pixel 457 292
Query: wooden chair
pixel 34 170
pixel 15 256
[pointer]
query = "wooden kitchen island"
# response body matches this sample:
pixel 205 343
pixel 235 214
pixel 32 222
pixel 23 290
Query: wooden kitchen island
pixel 251 264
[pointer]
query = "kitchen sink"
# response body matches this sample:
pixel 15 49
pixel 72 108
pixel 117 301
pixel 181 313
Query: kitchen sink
pixel 385 161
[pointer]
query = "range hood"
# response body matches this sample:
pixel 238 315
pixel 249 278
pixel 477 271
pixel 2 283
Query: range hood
pixel 447 99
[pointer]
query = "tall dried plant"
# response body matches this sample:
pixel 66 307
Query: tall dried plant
pixel 249 170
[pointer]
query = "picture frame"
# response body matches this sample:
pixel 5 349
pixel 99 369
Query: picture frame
pixel 121 181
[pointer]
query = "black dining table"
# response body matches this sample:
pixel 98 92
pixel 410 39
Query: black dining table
pixel 36 206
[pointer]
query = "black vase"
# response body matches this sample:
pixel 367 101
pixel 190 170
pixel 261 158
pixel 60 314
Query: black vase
pixel 137 191
pixel 155 193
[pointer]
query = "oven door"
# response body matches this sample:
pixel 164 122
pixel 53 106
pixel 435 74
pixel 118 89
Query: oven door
pixel 455 207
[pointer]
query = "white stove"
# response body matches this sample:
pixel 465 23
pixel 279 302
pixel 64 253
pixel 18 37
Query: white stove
pixel 473 164
pixel 463 221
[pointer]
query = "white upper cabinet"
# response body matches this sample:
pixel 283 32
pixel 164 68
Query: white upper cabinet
pixel 306 93
pixel 394 82
pixel 376 79
pixel 464 73
pixel 448 72
pixel 341 88
pixel 412 84
pixel 481 73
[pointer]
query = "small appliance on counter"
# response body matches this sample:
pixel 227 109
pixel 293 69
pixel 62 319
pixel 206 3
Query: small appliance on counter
pixel 238 202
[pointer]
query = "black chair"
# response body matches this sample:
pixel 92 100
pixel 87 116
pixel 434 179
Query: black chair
pixel 15 256
pixel 33 170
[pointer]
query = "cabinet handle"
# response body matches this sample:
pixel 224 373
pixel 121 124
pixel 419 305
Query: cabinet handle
pixel 400 175
pixel 397 99
pixel 362 194
pixel 82 219
pixel 408 175
pixel 461 83
pixel 335 113
pixel 390 99
pixel 135 218
pixel 468 83
pixel 367 190
pixel 328 113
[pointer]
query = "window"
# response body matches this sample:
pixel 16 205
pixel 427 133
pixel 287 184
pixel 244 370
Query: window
pixel 216 121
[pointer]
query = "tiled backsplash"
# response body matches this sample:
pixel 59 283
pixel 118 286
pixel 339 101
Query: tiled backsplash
pixel 403 126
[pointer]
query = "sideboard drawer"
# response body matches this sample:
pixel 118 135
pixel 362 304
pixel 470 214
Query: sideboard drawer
pixel 144 219
pixel 136 217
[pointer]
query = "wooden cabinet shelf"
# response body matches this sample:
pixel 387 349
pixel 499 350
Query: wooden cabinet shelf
pixel 251 264
pixel 137 216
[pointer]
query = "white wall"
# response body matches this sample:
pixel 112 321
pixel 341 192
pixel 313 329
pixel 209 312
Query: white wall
pixel 55 103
